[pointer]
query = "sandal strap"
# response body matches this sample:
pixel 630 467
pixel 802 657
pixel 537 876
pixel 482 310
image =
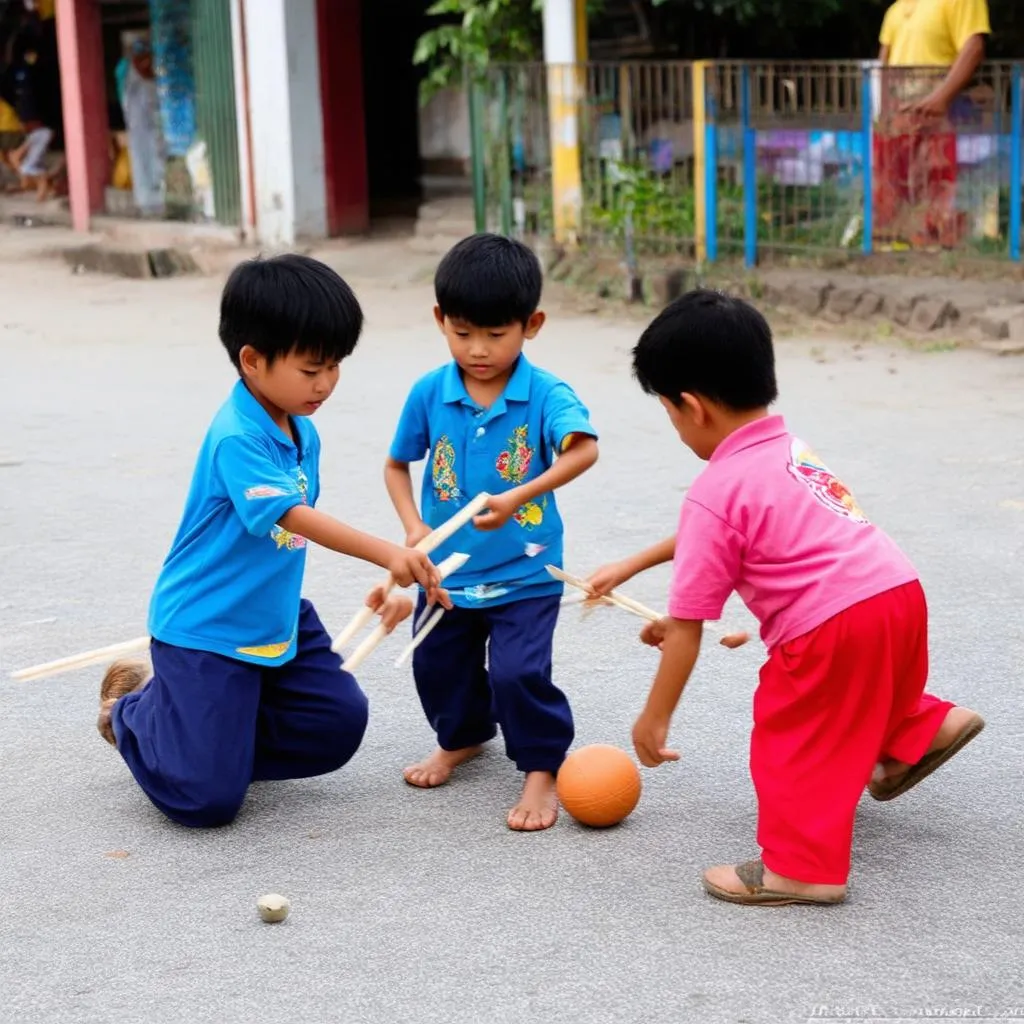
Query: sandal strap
pixel 751 874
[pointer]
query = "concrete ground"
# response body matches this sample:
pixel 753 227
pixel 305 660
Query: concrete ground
pixel 420 907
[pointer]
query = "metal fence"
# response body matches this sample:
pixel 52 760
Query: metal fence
pixel 631 119
pixel 728 158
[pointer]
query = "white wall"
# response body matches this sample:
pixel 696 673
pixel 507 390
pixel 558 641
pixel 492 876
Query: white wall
pixel 306 119
pixel 287 147
pixel 444 126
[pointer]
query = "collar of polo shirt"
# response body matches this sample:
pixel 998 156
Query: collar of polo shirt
pixel 248 405
pixel 516 390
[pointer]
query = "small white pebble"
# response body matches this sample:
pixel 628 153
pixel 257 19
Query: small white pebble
pixel 273 908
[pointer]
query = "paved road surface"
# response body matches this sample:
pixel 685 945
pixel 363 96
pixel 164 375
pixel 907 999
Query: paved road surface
pixel 415 907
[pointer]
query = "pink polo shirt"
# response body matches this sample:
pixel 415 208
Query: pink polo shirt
pixel 767 519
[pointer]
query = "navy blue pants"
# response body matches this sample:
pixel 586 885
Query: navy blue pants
pixel 487 667
pixel 205 726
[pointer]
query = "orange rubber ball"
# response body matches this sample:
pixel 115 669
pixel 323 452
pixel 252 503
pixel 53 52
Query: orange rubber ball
pixel 599 785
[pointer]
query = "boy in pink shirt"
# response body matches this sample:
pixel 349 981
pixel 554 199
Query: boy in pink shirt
pixel 841 702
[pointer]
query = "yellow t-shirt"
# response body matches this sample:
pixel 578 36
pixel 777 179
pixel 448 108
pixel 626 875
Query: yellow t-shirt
pixel 8 118
pixel 931 33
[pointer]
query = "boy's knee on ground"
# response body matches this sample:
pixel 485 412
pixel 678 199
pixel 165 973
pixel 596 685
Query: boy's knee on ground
pixel 210 803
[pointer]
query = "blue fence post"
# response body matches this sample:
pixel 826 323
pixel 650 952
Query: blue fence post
pixel 711 165
pixel 749 172
pixel 867 142
pixel 1016 165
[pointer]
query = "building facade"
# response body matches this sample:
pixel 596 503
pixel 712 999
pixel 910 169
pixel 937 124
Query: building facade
pixel 281 119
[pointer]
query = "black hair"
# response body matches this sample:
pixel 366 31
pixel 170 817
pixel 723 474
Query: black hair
pixel 489 281
pixel 710 344
pixel 289 303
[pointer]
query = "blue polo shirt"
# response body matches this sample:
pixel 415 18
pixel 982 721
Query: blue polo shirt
pixel 232 581
pixel 471 449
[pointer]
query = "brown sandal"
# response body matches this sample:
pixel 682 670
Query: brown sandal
pixel 889 789
pixel 751 874
pixel 121 678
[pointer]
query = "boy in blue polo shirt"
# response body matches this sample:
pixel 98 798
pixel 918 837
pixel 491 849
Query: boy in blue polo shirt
pixel 244 683
pixel 490 421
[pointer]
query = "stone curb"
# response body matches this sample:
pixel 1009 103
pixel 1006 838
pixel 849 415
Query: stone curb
pixel 139 264
pixel 987 315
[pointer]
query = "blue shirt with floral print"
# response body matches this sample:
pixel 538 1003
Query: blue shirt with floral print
pixel 470 449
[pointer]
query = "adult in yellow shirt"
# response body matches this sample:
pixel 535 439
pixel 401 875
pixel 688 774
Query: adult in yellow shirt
pixel 935 48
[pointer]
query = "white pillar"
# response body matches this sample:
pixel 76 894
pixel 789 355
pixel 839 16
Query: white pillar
pixel 559 31
pixel 563 80
pixel 286 145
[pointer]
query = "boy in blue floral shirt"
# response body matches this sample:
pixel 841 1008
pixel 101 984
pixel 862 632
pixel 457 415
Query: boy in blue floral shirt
pixel 490 421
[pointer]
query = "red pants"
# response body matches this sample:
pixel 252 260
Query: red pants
pixel 831 704
pixel 915 173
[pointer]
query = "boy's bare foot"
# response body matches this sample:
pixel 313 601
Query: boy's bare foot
pixel 893 778
pixel 437 769
pixel 538 806
pixel 122 677
pixel 753 883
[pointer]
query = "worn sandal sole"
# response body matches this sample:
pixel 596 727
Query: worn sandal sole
pixel 766 898
pixel 920 771
pixel 751 874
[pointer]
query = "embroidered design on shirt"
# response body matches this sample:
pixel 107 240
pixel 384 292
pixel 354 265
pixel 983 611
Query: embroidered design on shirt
pixel 264 491
pixel 284 538
pixel 514 463
pixel 266 651
pixel 823 484
pixel 446 483
pixel 485 592
pixel 530 515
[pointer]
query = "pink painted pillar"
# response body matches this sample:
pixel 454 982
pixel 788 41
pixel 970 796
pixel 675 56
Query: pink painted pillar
pixel 84 99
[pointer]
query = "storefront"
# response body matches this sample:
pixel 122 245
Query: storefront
pixel 149 109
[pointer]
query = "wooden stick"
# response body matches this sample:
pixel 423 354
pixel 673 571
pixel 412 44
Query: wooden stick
pixel 366 648
pixel 361 619
pixel 100 654
pixel 420 636
pixel 730 640
pixel 456 560
pixel 429 543
pixel 626 603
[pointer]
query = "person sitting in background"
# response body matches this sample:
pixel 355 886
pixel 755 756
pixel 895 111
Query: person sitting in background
pixel 22 82
pixel 11 138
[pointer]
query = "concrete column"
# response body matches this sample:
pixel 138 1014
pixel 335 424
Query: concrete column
pixel 240 64
pixel 83 97
pixel 286 120
pixel 560 42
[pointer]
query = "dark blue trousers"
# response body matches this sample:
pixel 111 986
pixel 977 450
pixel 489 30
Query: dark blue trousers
pixel 205 726
pixel 487 667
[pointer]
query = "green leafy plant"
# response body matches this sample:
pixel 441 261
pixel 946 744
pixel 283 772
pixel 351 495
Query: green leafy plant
pixel 476 33
pixel 638 203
